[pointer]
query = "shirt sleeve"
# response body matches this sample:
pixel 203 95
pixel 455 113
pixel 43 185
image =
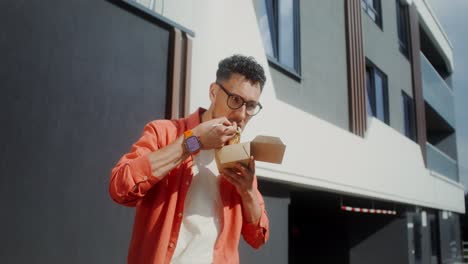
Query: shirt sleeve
pixel 132 177
pixel 256 233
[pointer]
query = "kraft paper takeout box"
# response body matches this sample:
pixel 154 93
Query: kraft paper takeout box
pixel 262 148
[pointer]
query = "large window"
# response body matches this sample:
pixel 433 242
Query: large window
pixel 403 27
pixel 279 26
pixel 435 238
pixel 374 9
pixel 409 116
pixel 377 93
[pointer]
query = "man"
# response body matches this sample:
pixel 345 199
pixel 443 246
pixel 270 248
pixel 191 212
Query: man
pixel 187 211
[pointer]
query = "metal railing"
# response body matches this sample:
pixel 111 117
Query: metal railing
pixel 436 92
pixel 441 163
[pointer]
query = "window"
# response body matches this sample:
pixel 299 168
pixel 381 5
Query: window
pixel 435 245
pixel 409 116
pixel 417 237
pixel 278 22
pixel 403 27
pixel 377 93
pixel 373 9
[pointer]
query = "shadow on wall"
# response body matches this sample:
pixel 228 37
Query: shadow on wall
pixel 320 86
pixel 320 232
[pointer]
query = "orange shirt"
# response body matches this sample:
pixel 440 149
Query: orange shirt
pixel 159 200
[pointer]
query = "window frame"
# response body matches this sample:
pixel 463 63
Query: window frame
pixel 403 28
pixel 409 116
pixel 372 94
pixel 272 9
pixel 375 9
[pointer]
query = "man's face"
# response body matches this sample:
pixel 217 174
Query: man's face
pixel 236 85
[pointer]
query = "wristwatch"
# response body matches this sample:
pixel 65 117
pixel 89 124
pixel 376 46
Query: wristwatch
pixel 191 142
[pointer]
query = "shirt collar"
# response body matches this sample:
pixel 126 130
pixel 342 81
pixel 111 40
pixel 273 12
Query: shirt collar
pixel 193 119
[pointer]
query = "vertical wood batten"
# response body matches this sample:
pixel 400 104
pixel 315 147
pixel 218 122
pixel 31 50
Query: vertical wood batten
pixel 417 80
pixel 174 86
pixel 356 67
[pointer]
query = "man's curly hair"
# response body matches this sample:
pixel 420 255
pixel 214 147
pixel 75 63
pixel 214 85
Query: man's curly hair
pixel 246 66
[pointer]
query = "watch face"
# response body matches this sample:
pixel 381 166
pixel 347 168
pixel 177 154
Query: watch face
pixel 192 144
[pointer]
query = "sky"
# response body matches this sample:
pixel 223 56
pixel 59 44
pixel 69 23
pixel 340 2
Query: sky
pixel 453 15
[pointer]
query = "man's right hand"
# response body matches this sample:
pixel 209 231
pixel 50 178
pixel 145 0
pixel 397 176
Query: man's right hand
pixel 215 132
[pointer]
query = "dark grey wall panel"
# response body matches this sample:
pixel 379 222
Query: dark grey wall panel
pixel 450 244
pixel 377 239
pixel 318 229
pixel 321 232
pixel 275 251
pixel 79 79
pixel 425 236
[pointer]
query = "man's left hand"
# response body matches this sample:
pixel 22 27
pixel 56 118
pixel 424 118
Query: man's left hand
pixel 242 177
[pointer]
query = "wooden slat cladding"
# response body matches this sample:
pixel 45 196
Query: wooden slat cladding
pixel 188 74
pixel 417 80
pixel 356 68
pixel 180 70
pixel 176 45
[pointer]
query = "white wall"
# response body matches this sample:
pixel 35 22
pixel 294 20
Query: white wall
pixel 182 11
pixel 319 154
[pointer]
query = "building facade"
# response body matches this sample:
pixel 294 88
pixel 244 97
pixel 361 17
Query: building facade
pixel 360 93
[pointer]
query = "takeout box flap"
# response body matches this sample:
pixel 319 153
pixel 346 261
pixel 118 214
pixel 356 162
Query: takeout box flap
pixel 268 149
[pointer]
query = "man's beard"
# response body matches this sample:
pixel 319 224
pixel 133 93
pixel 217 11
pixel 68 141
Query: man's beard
pixel 215 115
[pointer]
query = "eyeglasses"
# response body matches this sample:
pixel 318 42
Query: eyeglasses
pixel 235 101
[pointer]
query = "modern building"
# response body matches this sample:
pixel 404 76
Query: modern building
pixel 358 90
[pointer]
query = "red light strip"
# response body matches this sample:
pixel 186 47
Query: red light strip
pixel 367 210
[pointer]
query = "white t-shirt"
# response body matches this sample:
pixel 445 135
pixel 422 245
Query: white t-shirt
pixel 200 225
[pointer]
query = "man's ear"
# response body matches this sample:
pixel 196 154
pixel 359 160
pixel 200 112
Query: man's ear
pixel 213 92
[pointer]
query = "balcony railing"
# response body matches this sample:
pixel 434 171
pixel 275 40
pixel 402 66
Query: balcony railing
pixel 441 163
pixel 436 92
